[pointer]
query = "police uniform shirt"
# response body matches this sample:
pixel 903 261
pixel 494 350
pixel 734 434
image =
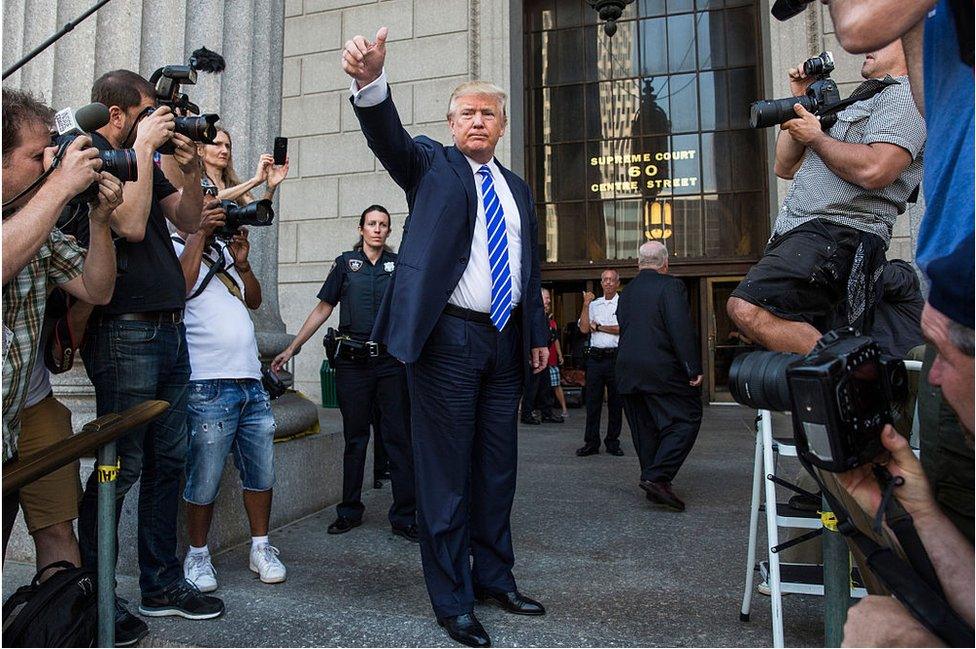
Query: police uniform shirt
pixel 357 286
pixel 604 313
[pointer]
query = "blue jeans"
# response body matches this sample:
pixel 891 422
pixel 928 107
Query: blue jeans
pixel 228 415
pixel 128 363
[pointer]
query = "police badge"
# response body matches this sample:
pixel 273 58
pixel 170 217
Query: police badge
pixel 355 264
pixel 388 267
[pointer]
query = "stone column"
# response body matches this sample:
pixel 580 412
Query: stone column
pixel 143 36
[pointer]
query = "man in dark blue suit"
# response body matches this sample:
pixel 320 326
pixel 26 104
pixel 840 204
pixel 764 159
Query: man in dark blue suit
pixel 464 312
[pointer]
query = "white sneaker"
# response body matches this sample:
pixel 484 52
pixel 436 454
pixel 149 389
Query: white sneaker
pixel 200 572
pixel 265 562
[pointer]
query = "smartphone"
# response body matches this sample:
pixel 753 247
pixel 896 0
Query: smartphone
pixel 280 150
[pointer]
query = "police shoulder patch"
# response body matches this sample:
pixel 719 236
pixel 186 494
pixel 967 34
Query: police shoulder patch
pixel 355 264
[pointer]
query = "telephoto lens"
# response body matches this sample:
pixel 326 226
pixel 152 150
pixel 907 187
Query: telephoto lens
pixel 259 213
pixel 121 163
pixel 758 380
pixel 199 129
pixel 771 112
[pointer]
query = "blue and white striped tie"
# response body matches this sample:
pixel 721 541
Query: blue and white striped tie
pixel 501 274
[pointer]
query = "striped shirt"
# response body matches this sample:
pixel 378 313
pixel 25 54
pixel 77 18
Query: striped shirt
pixel 59 260
pixel 891 117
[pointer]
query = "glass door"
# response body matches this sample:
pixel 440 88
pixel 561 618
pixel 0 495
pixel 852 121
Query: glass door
pixel 724 342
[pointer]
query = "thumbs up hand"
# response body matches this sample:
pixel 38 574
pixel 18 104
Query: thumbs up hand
pixel 363 60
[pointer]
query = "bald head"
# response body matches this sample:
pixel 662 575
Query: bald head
pixel 653 256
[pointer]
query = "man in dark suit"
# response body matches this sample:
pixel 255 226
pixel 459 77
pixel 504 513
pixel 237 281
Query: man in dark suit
pixel 464 312
pixel 659 373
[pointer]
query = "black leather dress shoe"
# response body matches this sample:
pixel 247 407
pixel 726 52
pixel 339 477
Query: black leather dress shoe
pixel 409 533
pixel 343 525
pixel 534 420
pixel 552 419
pixel 513 602
pixel 587 450
pixel 466 629
pixel 616 451
pixel 660 492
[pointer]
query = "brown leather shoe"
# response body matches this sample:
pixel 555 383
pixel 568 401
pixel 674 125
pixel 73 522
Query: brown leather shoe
pixel 660 492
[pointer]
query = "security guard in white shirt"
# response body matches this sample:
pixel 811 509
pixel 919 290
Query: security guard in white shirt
pixel 598 319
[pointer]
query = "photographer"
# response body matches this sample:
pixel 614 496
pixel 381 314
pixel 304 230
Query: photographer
pixel 947 323
pixel 850 183
pixel 229 410
pixel 50 503
pixel 218 168
pixel 938 40
pixel 136 347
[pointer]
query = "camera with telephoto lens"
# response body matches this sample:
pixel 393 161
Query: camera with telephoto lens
pixel 168 81
pixel 259 213
pixel 121 163
pixel 840 395
pixel 820 96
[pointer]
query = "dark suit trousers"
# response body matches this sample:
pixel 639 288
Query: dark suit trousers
pixel 600 377
pixel 664 428
pixel 464 390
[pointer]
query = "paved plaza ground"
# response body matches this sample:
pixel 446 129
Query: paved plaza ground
pixel 612 569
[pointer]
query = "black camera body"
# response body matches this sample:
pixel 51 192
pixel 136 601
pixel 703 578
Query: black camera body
pixel 169 81
pixel 259 213
pixel 820 96
pixel 840 395
pixel 121 163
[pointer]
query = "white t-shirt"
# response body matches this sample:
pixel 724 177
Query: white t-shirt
pixel 604 312
pixel 219 331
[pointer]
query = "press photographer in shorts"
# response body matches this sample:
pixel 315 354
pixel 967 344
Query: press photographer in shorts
pixel 850 184
pixel 41 257
pixel 229 411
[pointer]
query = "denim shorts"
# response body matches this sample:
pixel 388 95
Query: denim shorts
pixel 228 416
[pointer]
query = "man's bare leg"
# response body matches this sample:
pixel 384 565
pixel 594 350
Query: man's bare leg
pixel 770 331
pixel 258 507
pixel 56 543
pixel 198 519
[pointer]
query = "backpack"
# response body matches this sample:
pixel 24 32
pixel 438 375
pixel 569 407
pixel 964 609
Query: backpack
pixel 60 612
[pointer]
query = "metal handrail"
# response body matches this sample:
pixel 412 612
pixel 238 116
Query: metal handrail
pixel 95 434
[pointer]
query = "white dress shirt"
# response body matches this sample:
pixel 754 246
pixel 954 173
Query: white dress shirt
pixel 604 313
pixel 474 290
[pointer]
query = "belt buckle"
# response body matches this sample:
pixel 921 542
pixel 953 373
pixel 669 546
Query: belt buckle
pixel 373 349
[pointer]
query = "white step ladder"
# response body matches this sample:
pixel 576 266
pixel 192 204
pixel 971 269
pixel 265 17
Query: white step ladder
pixel 782 578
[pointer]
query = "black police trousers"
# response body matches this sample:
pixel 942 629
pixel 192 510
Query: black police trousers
pixel 361 386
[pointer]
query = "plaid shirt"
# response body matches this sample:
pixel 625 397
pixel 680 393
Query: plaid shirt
pixel 59 260
pixel 817 192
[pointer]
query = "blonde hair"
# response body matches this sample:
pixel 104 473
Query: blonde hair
pixel 229 176
pixel 477 87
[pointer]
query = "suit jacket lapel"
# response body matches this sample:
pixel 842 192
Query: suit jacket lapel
pixel 460 166
pixel 525 213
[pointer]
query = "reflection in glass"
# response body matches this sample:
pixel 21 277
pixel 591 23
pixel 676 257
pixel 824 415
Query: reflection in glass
pixel 713 94
pixel 711 40
pixel 741 37
pixel 684 103
pixel 629 137
pixel 745 90
pixel 654 47
pixel 681 43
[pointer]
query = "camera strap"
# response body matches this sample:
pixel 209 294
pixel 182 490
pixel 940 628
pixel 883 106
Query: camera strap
pixel 909 581
pixel 215 268
pixel 55 163
pixel 866 90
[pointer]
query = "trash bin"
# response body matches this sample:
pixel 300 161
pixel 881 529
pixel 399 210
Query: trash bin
pixel 327 375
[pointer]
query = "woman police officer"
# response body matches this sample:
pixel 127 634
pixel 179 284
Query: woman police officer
pixel 366 375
